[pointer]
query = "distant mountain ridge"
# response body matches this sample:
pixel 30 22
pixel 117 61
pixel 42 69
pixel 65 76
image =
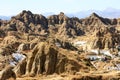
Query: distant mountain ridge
pixel 107 13
pixel 60 24
pixel 5 17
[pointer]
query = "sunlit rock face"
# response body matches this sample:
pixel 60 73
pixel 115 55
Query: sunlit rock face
pixel 46 60
pixel 35 45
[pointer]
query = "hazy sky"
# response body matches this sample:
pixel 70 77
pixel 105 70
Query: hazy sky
pixel 11 7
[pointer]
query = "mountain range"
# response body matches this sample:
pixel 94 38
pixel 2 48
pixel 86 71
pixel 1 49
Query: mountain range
pixel 35 45
pixel 5 17
pixel 107 13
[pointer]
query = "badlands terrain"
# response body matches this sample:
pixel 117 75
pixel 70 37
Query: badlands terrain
pixel 57 47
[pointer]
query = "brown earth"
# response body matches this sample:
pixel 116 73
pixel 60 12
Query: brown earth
pixel 47 45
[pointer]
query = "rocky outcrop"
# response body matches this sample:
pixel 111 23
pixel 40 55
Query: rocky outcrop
pixel 95 19
pixel 47 60
pixel 69 30
pixel 65 26
pixel 105 38
pixel 26 22
pixel 94 22
pixel 61 25
pixel 28 17
pixel 57 19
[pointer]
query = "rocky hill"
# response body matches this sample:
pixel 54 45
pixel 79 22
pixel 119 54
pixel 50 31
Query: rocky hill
pixel 33 45
pixel 27 22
